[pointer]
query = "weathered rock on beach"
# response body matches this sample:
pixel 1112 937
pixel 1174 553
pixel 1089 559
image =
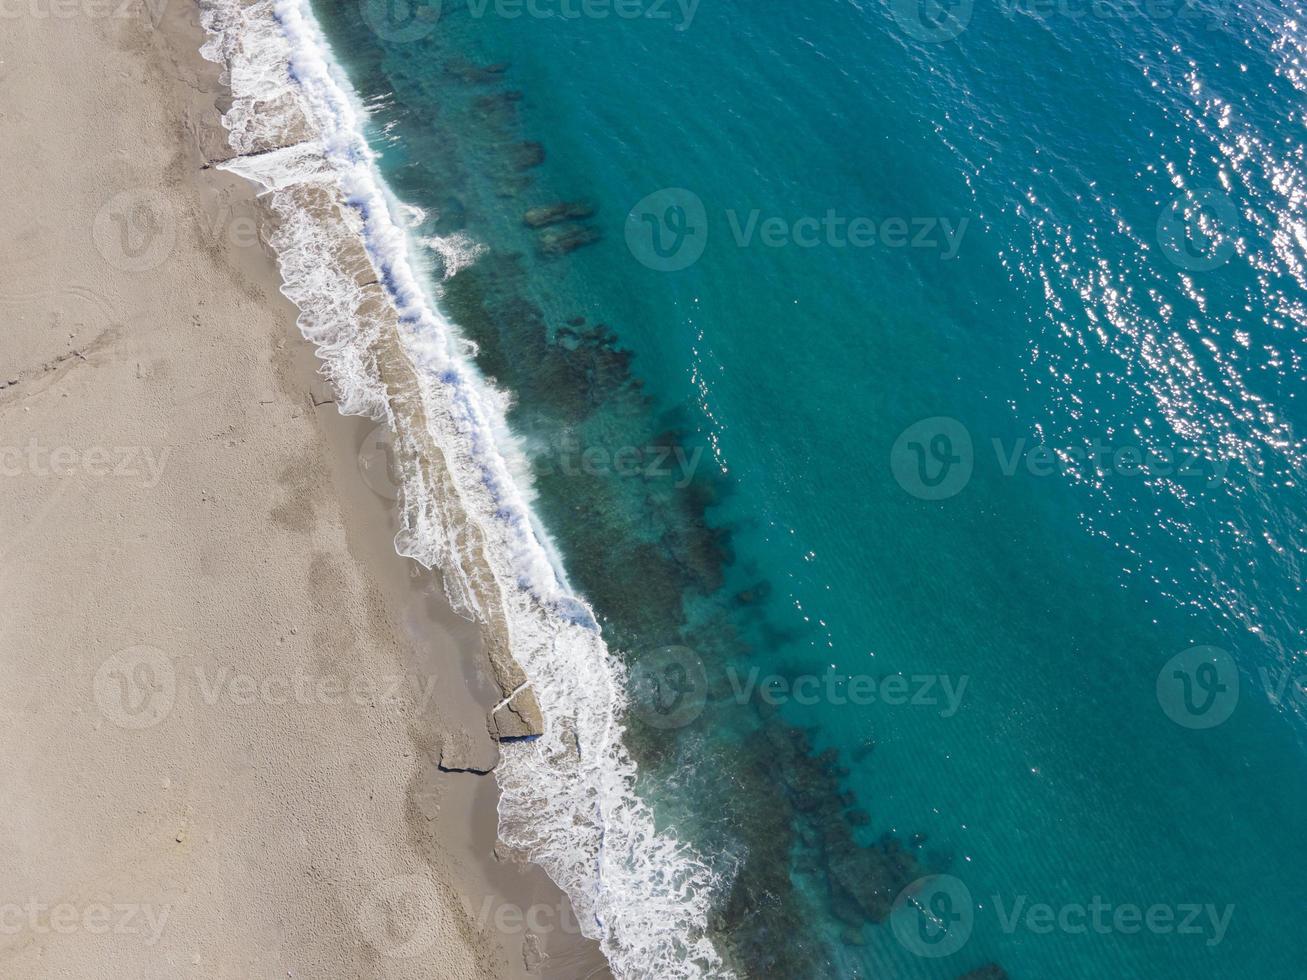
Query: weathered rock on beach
pixel 518 715
pixel 462 752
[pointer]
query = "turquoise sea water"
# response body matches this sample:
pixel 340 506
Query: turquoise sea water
pixel 906 390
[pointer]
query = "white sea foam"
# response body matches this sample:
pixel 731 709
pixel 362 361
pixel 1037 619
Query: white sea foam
pixel 456 251
pixel 568 797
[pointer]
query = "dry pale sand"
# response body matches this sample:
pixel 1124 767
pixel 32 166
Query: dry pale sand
pixel 224 696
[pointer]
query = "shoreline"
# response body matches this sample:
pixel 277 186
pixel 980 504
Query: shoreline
pixel 568 799
pixel 277 810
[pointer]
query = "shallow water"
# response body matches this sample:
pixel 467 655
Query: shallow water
pixel 904 395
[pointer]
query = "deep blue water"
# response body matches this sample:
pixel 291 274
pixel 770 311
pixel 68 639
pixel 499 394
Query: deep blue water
pixel 951 366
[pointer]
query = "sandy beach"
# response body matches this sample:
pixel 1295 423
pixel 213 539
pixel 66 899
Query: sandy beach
pixel 227 700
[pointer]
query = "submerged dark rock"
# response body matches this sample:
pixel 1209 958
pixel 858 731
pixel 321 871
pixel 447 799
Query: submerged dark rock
pixel 498 109
pixel 562 240
pixel 471 72
pixel 526 155
pixel 551 214
pixel 873 876
pixel 754 594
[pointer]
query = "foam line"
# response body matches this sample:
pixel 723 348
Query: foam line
pixel 567 798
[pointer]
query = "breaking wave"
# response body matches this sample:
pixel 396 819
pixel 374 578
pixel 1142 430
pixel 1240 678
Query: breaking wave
pixel 363 285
